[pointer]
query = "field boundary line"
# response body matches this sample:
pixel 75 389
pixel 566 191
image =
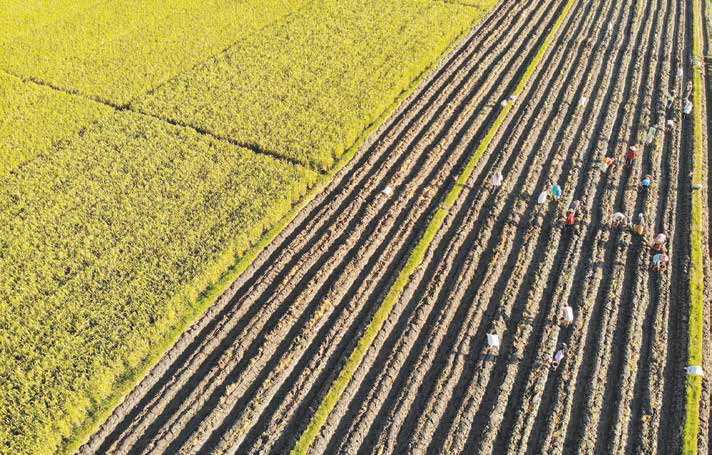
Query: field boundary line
pixel 128 109
pixel 66 90
pixel 697 237
pixel 225 287
pixel 459 3
pixel 418 253
pixel 253 147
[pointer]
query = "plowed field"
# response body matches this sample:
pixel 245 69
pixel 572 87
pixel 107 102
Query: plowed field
pixel 249 375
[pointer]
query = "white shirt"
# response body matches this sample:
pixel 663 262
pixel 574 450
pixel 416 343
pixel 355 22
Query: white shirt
pixel 497 179
pixel 542 197
pixel 559 356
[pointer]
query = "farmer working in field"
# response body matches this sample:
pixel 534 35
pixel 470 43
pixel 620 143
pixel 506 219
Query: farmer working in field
pixel 660 261
pixel 659 243
pixel 607 163
pixel 688 89
pixel 573 212
pixel 650 135
pixel 497 179
pixel 567 316
pixel 631 154
pixel 558 357
pixel 619 220
pixel 639 228
pixel 687 109
pixel 670 99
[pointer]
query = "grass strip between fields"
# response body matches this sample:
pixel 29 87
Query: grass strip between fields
pixel 417 256
pixel 697 273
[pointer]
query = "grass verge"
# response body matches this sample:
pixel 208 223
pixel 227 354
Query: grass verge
pixel 417 256
pixel 697 232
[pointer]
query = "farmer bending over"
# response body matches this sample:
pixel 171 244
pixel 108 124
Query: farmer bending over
pixel 619 220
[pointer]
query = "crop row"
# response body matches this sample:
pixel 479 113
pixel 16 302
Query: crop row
pixel 352 61
pixel 106 245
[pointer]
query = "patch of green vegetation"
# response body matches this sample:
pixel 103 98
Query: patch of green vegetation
pixel 697 241
pixel 307 87
pixel 118 50
pixel 107 243
pixel 19 16
pixel 32 118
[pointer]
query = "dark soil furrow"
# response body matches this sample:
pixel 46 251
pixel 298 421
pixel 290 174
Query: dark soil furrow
pixel 645 417
pixel 516 214
pixel 551 418
pixel 522 415
pixel 626 346
pixel 607 306
pixel 538 319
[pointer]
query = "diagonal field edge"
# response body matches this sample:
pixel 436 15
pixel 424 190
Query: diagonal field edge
pixel 697 239
pixel 223 285
pixel 417 256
